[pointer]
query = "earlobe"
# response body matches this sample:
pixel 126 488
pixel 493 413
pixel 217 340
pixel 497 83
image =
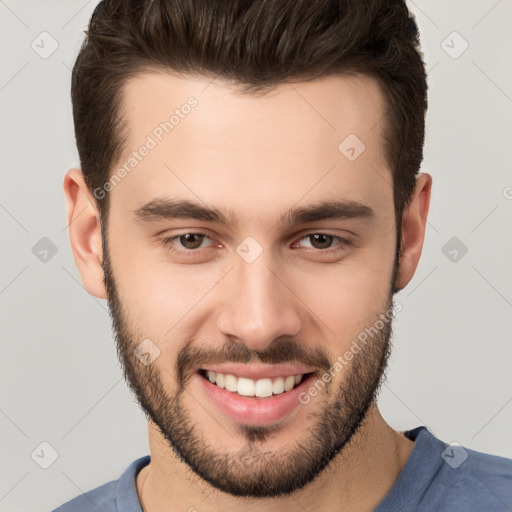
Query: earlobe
pixel 414 221
pixel 84 232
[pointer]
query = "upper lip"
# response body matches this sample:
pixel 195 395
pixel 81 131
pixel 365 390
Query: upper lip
pixel 255 372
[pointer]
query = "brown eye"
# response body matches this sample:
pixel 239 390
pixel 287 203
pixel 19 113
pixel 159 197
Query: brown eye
pixel 321 240
pixel 185 243
pixel 191 240
pixel 323 243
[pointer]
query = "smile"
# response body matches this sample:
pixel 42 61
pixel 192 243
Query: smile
pixel 244 386
pixel 260 401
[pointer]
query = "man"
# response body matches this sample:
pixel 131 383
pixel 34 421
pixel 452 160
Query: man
pixel 249 201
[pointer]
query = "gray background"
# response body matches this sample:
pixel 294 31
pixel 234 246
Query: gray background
pixel 61 382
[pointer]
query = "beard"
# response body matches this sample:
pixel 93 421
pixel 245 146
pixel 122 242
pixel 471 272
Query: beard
pixel 251 471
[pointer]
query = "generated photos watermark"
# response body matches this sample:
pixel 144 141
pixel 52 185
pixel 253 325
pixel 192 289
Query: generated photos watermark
pixel 156 136
pixel 344 359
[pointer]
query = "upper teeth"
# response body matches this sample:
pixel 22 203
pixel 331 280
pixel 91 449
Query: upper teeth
pixel 248 387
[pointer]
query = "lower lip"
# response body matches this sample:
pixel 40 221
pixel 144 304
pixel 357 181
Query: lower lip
pixel 254 410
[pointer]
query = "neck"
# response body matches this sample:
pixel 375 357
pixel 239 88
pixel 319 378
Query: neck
pixel 357 479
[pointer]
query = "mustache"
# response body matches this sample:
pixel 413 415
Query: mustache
pixel 281 350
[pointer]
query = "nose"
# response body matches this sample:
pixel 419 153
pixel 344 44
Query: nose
pixel 258 307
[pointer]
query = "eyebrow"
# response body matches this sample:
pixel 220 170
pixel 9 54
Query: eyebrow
pixel 168 209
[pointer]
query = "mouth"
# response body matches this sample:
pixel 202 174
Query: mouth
pixel 254 402
pixel 256 388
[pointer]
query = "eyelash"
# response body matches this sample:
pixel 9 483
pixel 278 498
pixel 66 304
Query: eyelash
pixel 169 241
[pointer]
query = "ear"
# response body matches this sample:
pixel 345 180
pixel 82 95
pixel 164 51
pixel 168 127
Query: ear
pixel 414 221
pixel 84 232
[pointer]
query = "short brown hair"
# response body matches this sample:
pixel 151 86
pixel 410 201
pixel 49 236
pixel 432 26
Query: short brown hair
pixel 256 45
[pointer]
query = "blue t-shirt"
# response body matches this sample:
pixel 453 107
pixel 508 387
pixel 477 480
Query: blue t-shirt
pixel 436 477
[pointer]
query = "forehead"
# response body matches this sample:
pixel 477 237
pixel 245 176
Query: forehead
pixel 209 140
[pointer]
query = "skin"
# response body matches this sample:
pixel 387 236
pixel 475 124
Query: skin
pixel 257 156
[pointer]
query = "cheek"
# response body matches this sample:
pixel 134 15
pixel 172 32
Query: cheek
pixel 161 299
pixel 158 300
pixel 345 297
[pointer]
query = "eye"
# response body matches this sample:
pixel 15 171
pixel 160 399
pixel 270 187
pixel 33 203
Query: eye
pixel 191 242
pixel 187 241
pixel 322 241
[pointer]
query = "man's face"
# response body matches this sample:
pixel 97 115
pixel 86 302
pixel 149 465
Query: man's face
pixel 262 285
